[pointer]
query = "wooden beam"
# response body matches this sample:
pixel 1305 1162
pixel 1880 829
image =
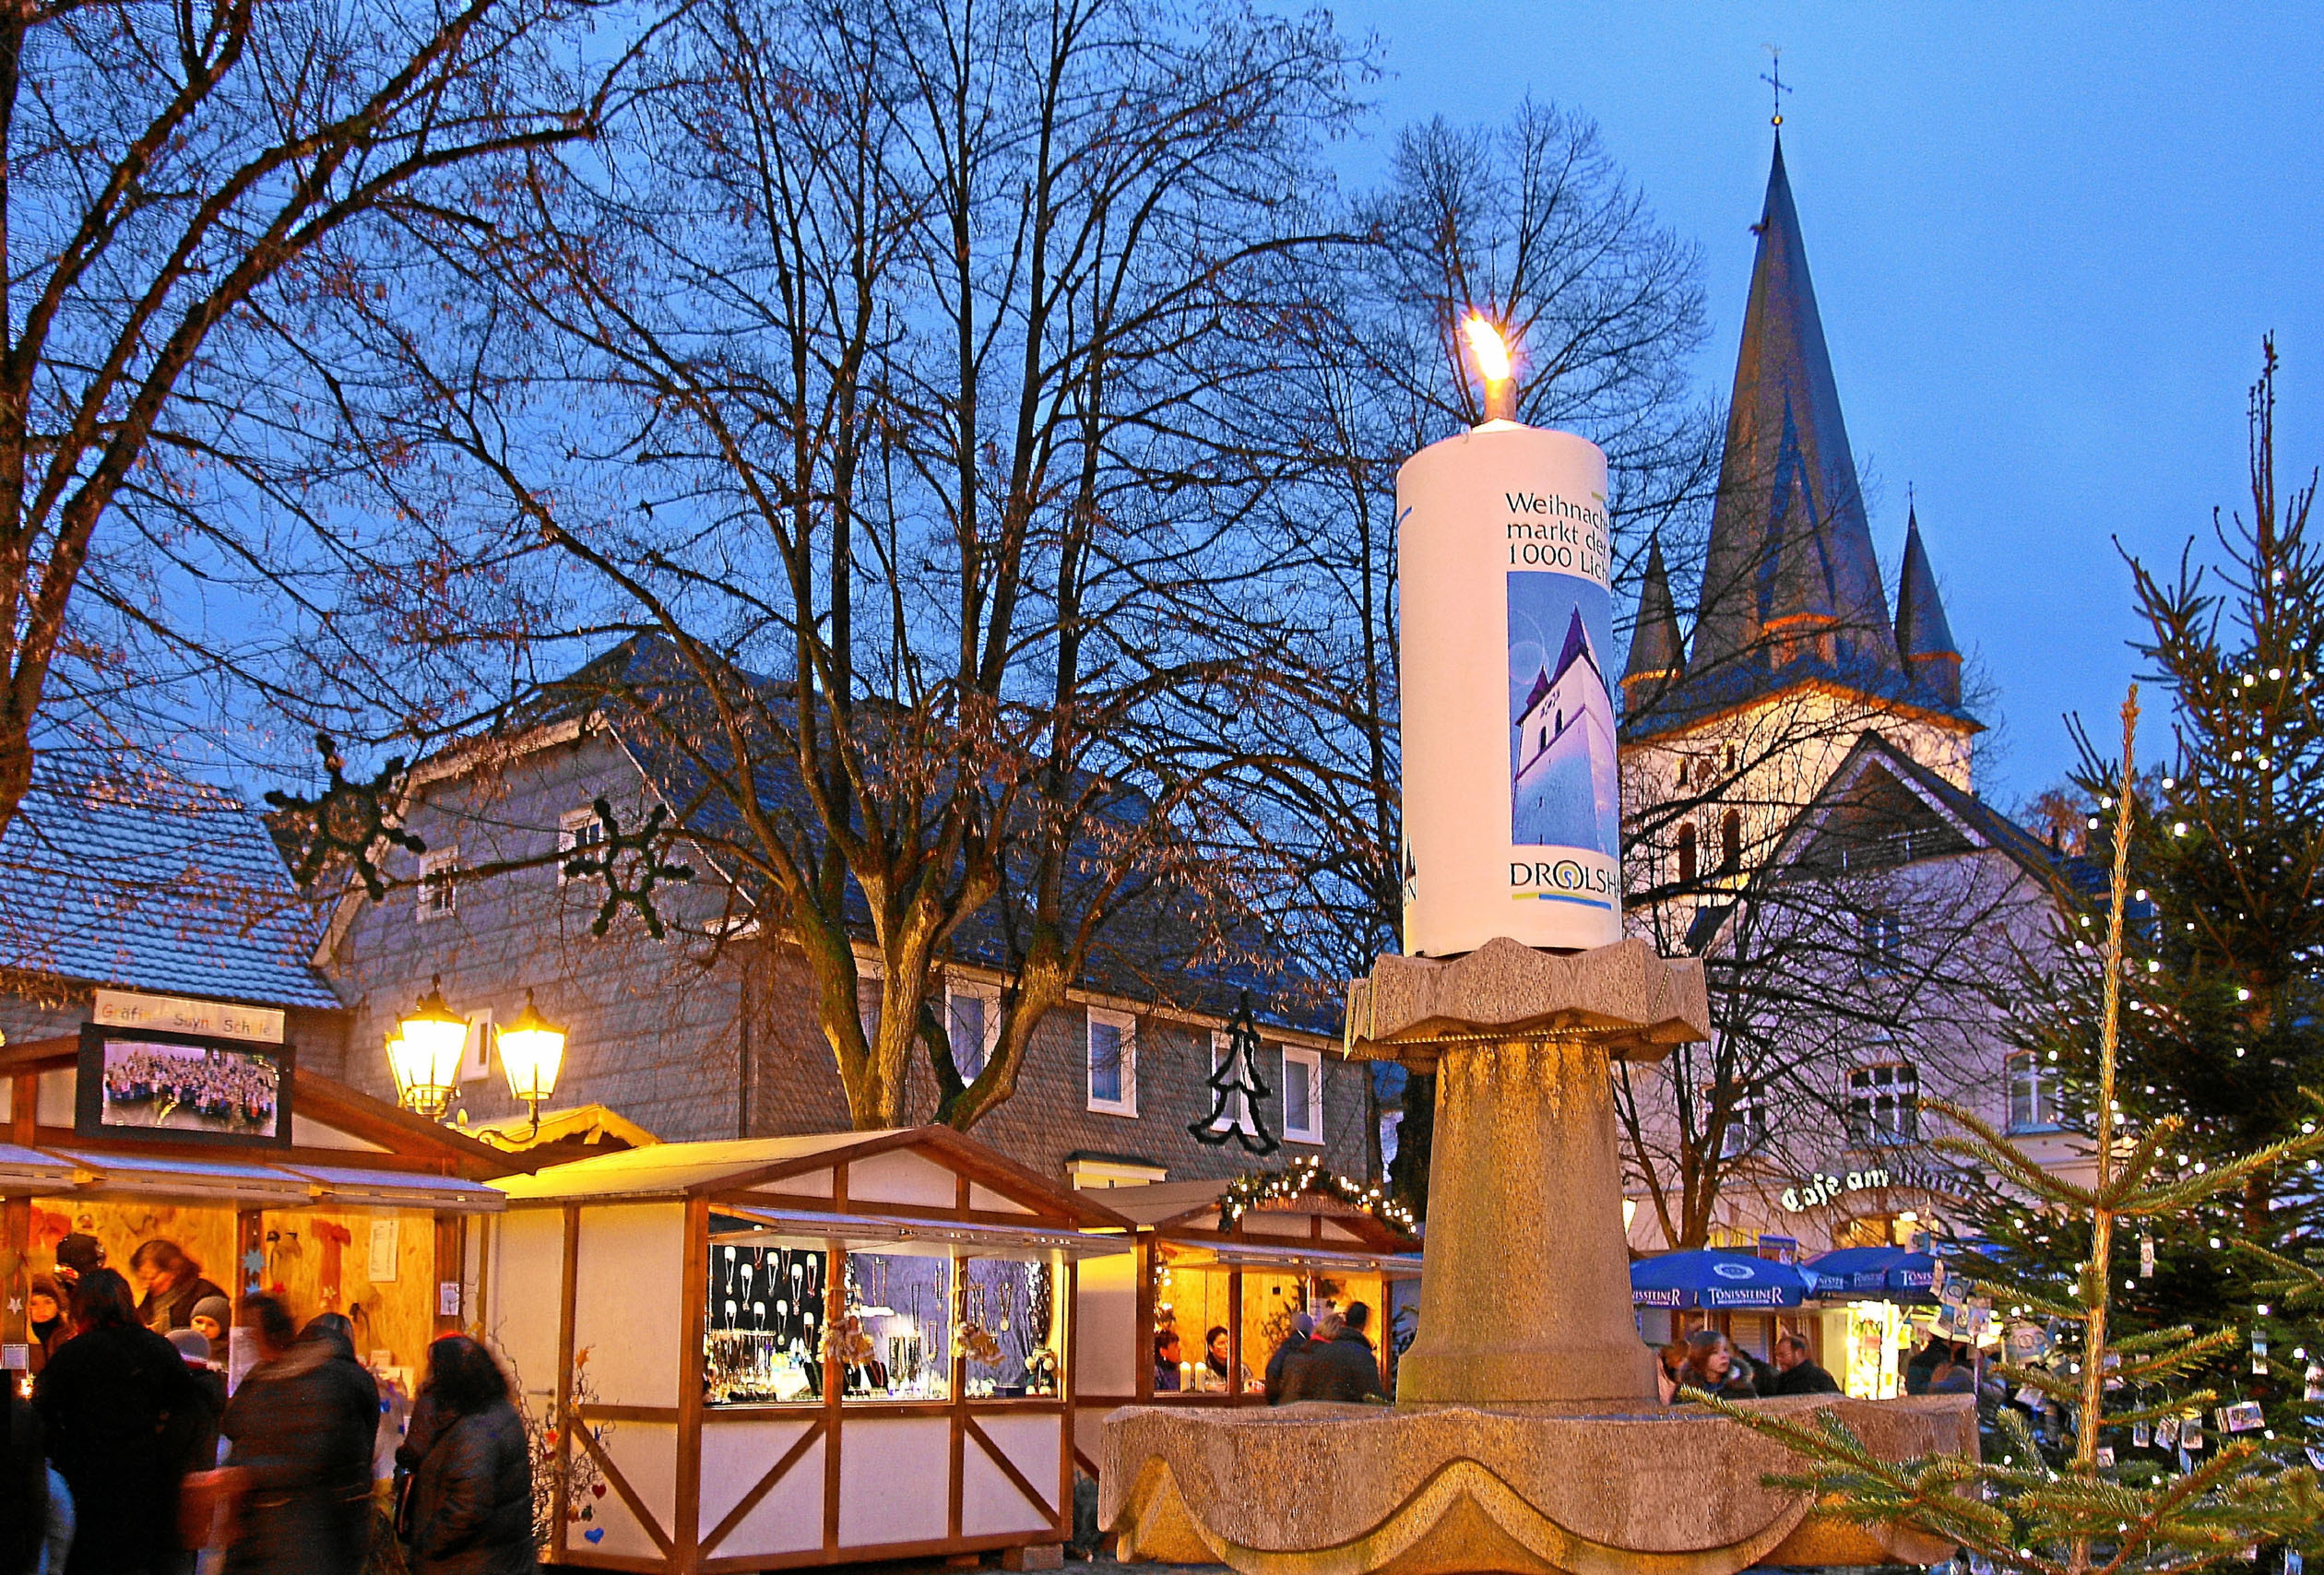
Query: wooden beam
pixel 835 1373
pixel 1017 1479
pixel 566 1419
pixel 693 1307
pixel 628 1496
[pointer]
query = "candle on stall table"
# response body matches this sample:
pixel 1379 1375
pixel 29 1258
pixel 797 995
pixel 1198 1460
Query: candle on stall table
pixel 1512 801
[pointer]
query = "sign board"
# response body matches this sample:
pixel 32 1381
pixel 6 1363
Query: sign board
pixel 178 1014
pixel 206 1089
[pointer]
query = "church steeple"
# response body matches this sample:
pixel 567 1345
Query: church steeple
pixel 1789 540
pixel 1658 651
pixel 1922 632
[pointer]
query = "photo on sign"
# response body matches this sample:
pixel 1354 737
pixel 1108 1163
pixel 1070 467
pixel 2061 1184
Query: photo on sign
pixel 1564 791
pixel 186 1086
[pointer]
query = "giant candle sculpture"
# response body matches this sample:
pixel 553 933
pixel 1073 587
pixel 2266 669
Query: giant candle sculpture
pixel 1525 1435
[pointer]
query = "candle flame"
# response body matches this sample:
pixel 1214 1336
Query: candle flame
pixel 1490 348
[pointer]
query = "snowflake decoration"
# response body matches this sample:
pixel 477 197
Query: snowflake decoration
pixel 629 883
pixel 351 818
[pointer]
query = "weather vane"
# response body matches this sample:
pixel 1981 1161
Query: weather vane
pixel 1773 77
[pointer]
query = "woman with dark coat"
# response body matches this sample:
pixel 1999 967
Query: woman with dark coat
pixel 173 1285
pixel 302 1452
pixel 470 1509
pixel 119 1409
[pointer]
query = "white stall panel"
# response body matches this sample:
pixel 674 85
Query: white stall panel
pixel 625 1311
pixel 646 1454
pixel 991 1504
pixel 895 1477
pixel 900 1177
pixel 527 1276
pixel 1105 1327
pixel 790 1518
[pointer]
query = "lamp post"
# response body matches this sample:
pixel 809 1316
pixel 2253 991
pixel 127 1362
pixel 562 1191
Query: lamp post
pixel 532 1052
pixel 424 1054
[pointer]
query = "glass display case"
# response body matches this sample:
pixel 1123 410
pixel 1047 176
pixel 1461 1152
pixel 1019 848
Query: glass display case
pixel 763 1331
pixel 1011 1328
pixel 901 1336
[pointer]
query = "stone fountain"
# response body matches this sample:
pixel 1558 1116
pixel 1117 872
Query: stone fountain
pixel 1526 1434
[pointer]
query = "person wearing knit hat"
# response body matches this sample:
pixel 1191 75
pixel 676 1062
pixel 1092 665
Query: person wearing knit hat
pixel 213 1316
pixel 76 1255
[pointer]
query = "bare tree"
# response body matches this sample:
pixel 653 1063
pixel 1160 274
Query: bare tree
pixel 187 190
pixel 882 380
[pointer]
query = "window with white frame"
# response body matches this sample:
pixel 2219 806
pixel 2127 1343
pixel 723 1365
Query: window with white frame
pixel 972 1022
pixel 439 888
pixel 2033 1088
pixel 1883 1105
pixel 1302 1088
pixel 1113 1062
pixel 1237 1115
pixel 578 831
pixel 1883 938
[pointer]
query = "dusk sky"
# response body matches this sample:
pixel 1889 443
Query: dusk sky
pixel 2045 240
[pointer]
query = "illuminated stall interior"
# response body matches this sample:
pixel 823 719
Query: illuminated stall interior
pixel 358 1208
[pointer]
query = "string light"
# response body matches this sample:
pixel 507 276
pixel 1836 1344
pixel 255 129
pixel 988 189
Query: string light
pixel 1308 1176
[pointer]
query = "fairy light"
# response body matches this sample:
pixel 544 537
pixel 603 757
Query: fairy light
pixel 1246 1193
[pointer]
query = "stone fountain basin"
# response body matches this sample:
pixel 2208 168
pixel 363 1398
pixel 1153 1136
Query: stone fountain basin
pixel 1587 1488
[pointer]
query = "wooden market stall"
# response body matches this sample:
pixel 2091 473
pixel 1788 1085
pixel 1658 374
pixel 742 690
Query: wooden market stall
pixel 306 1188
pixel 1246 1258
pixel 792 1351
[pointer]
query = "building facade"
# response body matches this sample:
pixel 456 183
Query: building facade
pixel 1799 767
pixel 711 1031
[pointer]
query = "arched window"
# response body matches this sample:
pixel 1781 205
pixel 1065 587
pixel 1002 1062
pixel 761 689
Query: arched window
pixel 1686 855
pixel 1730 842
pixel 1682 771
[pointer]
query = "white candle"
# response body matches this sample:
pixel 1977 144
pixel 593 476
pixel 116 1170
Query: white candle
pixel 1512 801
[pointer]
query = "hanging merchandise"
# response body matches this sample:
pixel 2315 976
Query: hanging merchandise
pixel 2146 1257
pixel 2190 1430
pixel 2259 1351
pixel 2244 1416
pixel 2167 1432
pixel 2142 1435
pixel 2313 1388
pixel 2105 1458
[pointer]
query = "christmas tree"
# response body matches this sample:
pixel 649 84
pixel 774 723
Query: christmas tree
pixel 2114 1387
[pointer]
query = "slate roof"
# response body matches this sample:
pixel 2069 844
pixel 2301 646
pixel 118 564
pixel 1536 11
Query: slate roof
pixel 1790 546
pixel 155 884
pixel 643 690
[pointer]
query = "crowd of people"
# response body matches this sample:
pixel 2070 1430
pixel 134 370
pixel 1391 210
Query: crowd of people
pixel 1326 1358
pixel 132 1459
pixel 235 1092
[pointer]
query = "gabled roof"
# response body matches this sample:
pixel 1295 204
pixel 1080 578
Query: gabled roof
pixel 154 882
pixel 1790 544
pixel 1884 806
pixel 643 692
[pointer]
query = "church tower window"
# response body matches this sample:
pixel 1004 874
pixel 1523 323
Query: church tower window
pixel 1686 855
pixel 1730 843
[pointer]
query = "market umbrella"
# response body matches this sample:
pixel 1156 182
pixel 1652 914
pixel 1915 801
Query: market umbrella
pixel 1713 1278
pixel 1913 1276
pixel 1854 1270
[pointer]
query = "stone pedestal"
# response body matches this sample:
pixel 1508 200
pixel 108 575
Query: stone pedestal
pixel 1526 1436
pixel 1526 1292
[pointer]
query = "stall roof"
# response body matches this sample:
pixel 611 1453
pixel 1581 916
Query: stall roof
pixel 281 1186
pixel 26 1168
pixel 1192 1207
pixel 739 1165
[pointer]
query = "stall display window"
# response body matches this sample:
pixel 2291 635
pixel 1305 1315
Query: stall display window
pixel 1190 1299
pixel 1010 1324
pixel 1269 1302
pixel 896 1340
pixel 765 1330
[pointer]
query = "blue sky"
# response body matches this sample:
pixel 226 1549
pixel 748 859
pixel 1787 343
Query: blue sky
pixel 2045 240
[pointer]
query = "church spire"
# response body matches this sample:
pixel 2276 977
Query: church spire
pixel 1922 632
pixel 1788 532
pixel 1658 651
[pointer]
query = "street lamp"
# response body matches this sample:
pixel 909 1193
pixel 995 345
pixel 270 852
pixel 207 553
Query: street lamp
pixel 425 1052
pixel 532 1052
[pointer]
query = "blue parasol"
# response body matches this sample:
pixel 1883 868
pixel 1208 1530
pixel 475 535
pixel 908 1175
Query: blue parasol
pixel 1716 1279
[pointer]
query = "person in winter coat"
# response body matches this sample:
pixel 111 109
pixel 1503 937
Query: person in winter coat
pixel 1712 1367
pixel 172 1282
pixel 119 1411
pixel 1293 1350
pixel 1796 1372
pixel 1341 1364
pixel 300 1456
pixel 470 1509
pixel 48 1315
pixel 27 1491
